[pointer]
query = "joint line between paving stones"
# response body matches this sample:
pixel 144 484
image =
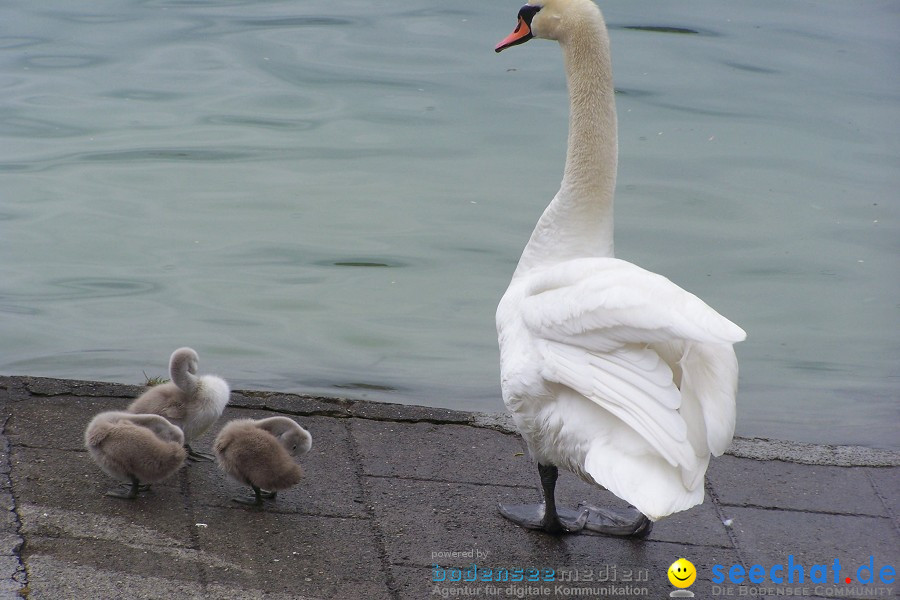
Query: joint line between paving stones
pixel 21 574
pixel 514 486
pixel 393 588
pixel 803 510
pixel 884 503
pixel 349 414
pixel 193 535
pixel 276 511
pixel 720 512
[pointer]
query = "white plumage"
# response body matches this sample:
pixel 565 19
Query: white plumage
pixel 610 371
pixel 193 403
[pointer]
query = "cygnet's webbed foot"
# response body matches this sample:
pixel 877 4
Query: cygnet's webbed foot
pixel 194 456
pixel 248 500
pixel 256 499
pixel 142 487
pixel 625 522
pixel 126 491
pixel 535 516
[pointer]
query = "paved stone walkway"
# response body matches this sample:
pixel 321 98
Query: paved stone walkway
pixel 396 497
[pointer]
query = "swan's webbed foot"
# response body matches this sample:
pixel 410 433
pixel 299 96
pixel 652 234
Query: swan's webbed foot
pixel 546 516
pixel 535 516
pixel 127 491
pixel 194 456
pixel 627 522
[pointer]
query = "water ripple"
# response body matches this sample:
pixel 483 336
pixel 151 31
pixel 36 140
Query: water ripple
pixel 62 61
pixel 360 263
pixel 205 155
pixel 31 128
pixel 667 29
pixel 18 309
pixel 165 154
pixel 375 387
pixel 146 95
pixel 278 124
pixel 10 42
pixel 750 68
pixel 317 21
pixel 78 288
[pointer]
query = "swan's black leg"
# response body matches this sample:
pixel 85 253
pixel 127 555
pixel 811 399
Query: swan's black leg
pixel 628 522
pixel 546 516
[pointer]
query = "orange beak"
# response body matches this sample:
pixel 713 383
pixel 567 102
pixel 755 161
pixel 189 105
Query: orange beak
pixel 520 35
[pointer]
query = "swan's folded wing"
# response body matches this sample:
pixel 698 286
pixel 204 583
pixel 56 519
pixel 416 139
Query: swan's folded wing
pixel 594 319
pixel 603 303
pixel 633 384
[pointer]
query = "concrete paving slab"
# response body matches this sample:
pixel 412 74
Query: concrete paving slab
pixel 886 483
pixel 289 553
pixel 89 555
pixel 768 537
pixel 794 486
pixel 57 422
pixel 438 452
pixel 700 525
pixel 66 478
pixel 330 486
pixel 54 577
pixel 455 525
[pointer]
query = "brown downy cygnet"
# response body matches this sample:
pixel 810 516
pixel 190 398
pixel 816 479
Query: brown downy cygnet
pixel 261 454
pixel 192 403
pixel 134 448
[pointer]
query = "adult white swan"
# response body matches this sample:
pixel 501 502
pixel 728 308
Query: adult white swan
pixel 610 371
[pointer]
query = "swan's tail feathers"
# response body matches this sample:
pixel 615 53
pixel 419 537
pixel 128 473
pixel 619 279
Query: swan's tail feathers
pixel 95 435
pixel 647 482
pixel 709 383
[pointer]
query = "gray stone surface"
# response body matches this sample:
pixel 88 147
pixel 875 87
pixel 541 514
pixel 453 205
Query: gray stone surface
pixel 795 486
pixel 391 491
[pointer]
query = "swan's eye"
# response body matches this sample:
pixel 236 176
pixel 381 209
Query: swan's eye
pixel 527 12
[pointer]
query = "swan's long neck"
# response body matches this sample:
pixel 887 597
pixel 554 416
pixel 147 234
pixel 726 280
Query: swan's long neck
pixel 182 370
pixel 579 221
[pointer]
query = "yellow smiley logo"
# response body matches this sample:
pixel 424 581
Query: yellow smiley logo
pixel 682 573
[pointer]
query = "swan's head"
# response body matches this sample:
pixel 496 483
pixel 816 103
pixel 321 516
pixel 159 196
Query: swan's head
pixel 184 360
pixel 296 441
pixel 548 19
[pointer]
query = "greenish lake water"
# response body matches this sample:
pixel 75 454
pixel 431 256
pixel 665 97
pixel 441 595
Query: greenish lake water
pixel 330 197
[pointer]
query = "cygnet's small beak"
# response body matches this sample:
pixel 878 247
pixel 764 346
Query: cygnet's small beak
pixel 520 35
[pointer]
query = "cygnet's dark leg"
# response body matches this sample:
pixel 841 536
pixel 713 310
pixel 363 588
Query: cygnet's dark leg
pixel 256 500
pixel 268 495
pixel 546 516
pixel 130 494
pixel 194 456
